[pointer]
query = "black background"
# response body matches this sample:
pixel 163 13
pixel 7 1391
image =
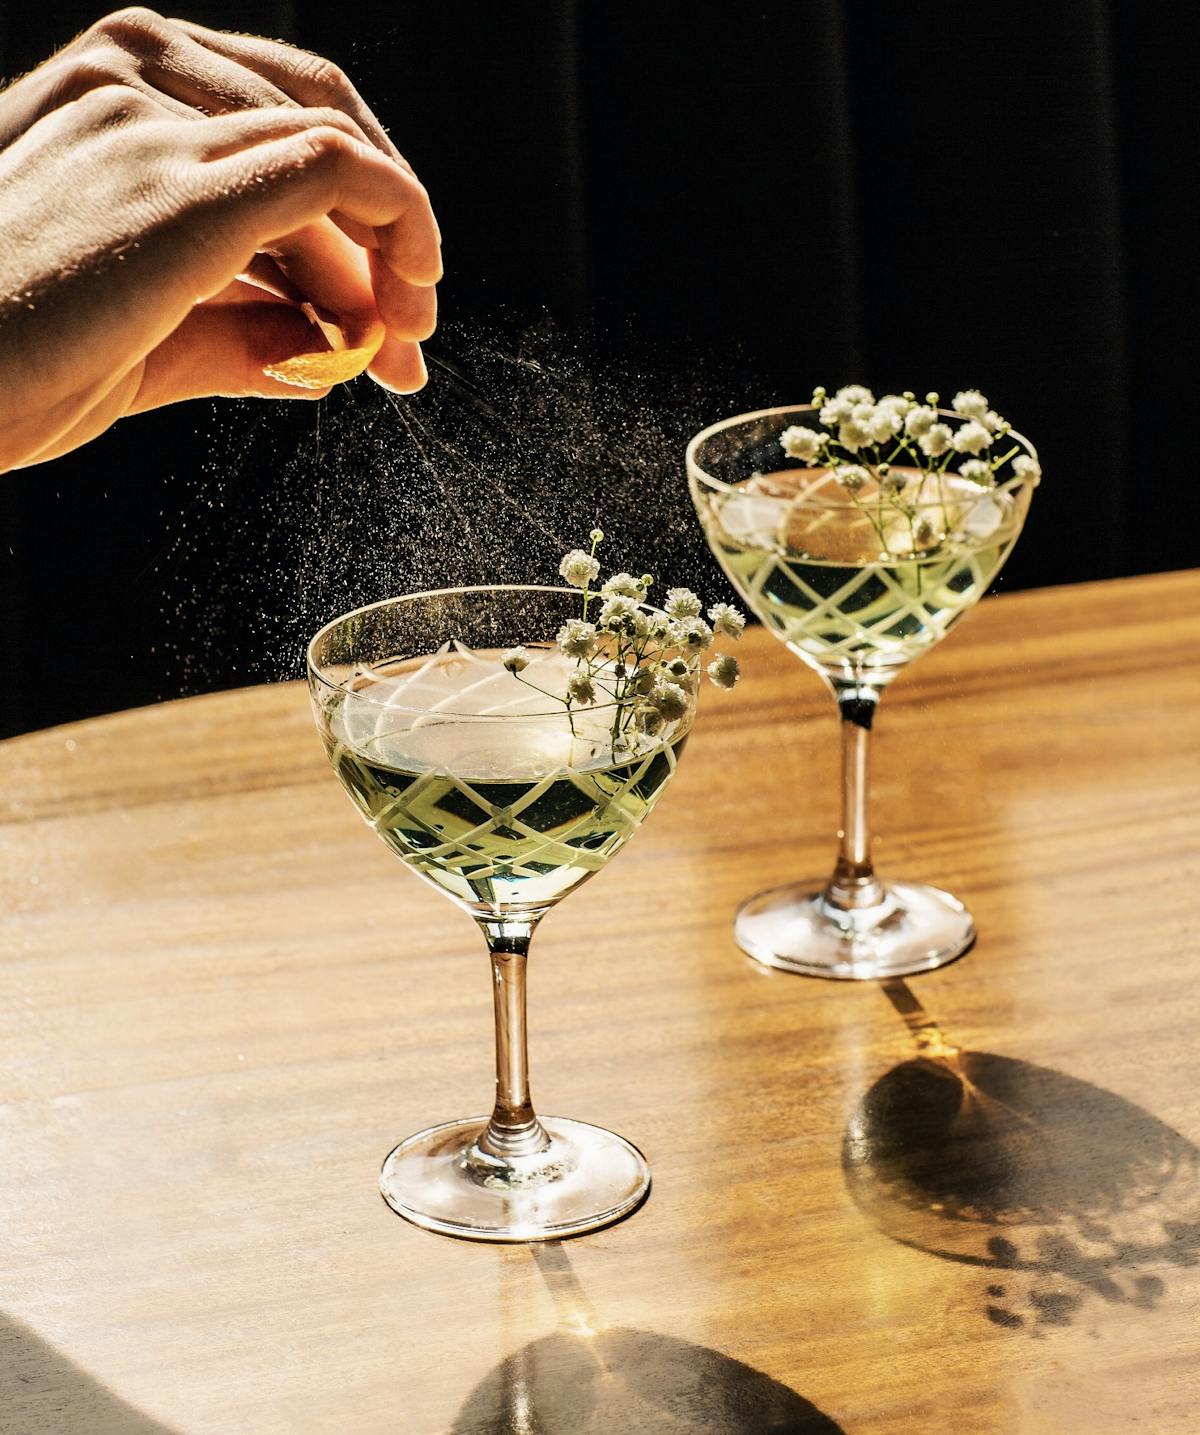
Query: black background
pixel 740 200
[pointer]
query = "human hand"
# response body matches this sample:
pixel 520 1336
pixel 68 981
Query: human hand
pixel 169 195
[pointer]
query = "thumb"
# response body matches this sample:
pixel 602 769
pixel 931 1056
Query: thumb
pixel 222 349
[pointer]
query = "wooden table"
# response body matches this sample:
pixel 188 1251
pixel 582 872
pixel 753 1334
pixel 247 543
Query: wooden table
pixel 970 1201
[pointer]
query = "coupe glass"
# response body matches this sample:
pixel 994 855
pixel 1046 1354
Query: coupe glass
pixel 506 799
pixel 857 588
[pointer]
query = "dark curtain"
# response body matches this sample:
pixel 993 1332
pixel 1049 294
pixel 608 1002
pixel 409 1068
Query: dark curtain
pixel 751 199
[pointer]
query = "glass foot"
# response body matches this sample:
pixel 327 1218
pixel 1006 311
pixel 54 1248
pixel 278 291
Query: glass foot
pixel 585 1178
pixel 914 929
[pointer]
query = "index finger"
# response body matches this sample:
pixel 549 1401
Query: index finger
pixel 279 183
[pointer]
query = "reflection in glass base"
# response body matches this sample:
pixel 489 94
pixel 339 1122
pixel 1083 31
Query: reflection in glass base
pixel 795 928
pixel 585 1178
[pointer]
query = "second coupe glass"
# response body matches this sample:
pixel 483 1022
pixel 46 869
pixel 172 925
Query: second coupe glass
pixel 857 586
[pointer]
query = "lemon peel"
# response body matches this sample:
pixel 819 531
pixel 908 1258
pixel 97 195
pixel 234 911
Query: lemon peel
pixel 341 361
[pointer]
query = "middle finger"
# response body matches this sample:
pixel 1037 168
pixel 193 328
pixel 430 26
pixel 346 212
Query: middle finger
pixel 188 72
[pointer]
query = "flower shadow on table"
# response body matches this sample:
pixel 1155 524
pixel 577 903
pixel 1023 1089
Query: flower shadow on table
pixel 1065 1191
pixel 587 1380
pixel 40 1389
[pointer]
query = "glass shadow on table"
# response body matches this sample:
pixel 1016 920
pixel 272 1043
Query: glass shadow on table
pixel 1061 1190
pixel 585 1379
pixel 41 1389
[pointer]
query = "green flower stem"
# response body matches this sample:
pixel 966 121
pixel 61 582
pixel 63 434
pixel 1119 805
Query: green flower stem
pixel 554 697
pixel 587 587
pixel 545 692
pixel 876 524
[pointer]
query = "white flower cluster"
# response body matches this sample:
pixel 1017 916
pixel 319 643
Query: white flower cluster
pixel 900 432
pixel 640 662
pixel 577 639
pixel 579 568
pixel 803 443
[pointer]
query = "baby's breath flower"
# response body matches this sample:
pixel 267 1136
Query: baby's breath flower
pixel 724 671
pixel 901 403
pixel 596 535
pixel 647 581
pixel 682 603
pixel 622 585
pixel 972 437
pixel 581 689
pixel 579 568
pixel 800 442
pixel 936 440
pixel 836 412
pixel 884 425
pixel 851 476
pixel 852 435
pixel 677 668
pixel 516 660
pixel 919 420
pixel 577 639
pixel 976 470
pixel 690 633
pixel 726 619
pixel 1027 467
pixel 642 682
pixel 862 415
pixel 819 395
pixel 855 394
pixel 619 615
pixel 970 403
pixel 643 624
pixel 892 480
pixel 669 700
pixel 932 397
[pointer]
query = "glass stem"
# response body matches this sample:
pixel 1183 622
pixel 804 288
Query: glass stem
pixel 514 1129
pixel 853 884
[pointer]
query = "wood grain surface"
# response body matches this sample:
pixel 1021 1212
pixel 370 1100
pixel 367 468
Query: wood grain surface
pixel 967 1202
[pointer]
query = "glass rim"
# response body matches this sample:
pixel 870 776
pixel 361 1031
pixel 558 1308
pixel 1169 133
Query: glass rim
pixel 698 471
pixel 560 712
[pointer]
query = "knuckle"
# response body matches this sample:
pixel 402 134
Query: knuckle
pixel 132 17
pixel 134 28
pixel 88 72
pixel 323 74
pixel 325 144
